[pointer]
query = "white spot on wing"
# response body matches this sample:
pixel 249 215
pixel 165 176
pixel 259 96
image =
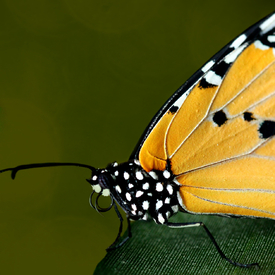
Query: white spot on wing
pixel 233 55
pixel 238 41
pixel 180 100
pixel 207 66
pixel 130 185
pixel 116 173
pixel 271 38
pixel 134 207
pixel 212 78
pixel 94 178
pixel 258 44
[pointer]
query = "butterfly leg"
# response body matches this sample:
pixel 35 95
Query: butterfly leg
pixel 114 245
pixel 193 224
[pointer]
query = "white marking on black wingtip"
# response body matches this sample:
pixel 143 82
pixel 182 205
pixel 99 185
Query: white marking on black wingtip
pixel 212 78
pixel 238 41
pixel 258 44
pixel 268 24
pixel 230 58
pixel 271 38
pixel 208 66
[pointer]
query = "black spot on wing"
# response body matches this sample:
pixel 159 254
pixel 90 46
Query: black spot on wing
pixel 222 68
pixel 220 118
pixel 173 109
pixel 204 84
pixel 267 129
pixel 247 116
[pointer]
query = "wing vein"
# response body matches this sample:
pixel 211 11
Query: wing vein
pixel 233 205
pixel 244 88
pixel 232 158
pixel 232 190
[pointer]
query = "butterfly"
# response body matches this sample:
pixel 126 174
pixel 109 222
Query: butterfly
pixel 210 149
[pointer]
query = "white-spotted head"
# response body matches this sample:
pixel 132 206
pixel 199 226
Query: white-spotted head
pixel 101 181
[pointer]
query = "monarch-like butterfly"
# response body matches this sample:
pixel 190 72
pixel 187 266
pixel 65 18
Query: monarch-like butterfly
pixel 209 150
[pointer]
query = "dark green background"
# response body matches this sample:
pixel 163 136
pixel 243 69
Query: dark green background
pixel 79 82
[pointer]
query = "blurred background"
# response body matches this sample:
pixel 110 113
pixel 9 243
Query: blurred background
pixel 79 82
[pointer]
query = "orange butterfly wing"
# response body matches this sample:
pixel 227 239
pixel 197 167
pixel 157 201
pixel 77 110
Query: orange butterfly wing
pixel 218 136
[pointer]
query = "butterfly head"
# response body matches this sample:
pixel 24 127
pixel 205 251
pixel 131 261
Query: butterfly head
pixel 100 182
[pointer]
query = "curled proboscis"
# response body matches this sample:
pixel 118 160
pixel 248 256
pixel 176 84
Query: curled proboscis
pixel 95 205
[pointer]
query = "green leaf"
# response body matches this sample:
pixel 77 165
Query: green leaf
pixel 157 249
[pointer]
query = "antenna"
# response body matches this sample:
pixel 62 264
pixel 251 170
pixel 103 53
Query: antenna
pixel 14 170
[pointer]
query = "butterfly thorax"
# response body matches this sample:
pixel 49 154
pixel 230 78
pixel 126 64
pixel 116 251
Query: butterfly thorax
pixel 137 192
